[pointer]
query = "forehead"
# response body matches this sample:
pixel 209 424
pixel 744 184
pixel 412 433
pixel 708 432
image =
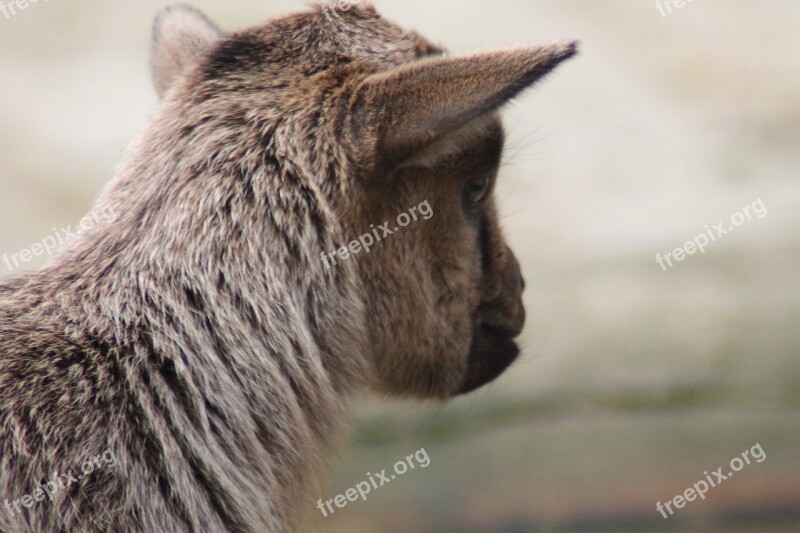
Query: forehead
pixel 310 42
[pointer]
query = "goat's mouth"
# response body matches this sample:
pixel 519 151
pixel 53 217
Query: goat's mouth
pixel 492 351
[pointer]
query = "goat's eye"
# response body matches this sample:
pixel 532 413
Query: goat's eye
pixel 475 189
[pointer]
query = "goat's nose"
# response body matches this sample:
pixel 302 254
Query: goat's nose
pixel 515 273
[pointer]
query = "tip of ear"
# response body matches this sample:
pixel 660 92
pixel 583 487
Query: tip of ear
pixel 542 58
pixel 569 48
pixel 176 10
pixel 560 50
pixel 180 34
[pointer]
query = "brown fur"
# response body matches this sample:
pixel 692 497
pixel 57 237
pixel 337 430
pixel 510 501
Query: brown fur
pixel 199 337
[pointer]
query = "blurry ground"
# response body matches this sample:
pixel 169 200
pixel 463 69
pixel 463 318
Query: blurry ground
pixel 634 381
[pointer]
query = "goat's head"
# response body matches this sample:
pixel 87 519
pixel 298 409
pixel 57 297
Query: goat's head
pixel 379 125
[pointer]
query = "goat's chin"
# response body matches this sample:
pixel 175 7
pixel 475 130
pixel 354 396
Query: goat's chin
pixel 491 353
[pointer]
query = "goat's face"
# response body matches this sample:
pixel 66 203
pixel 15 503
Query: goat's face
pixel 444 291
pixel 404 144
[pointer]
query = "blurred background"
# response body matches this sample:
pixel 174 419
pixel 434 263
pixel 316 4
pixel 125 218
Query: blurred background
pixel 634 379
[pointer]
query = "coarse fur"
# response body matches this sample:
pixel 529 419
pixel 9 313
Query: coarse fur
pixel 200 337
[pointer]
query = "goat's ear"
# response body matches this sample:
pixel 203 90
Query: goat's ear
pixel 181 34
pixel 398 112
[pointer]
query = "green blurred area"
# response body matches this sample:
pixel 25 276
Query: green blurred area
pixel 633 380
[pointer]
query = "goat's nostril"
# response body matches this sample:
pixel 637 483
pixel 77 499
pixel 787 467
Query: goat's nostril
pixel 521 282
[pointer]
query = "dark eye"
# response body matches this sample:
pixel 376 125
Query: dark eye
pixel 475 189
